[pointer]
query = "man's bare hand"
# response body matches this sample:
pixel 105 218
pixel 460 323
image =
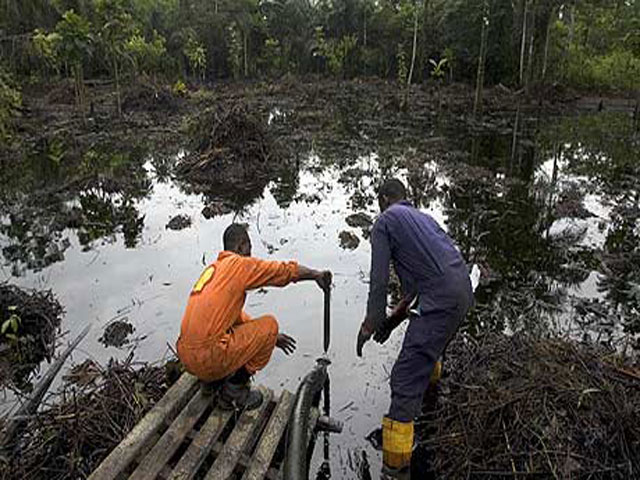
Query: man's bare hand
pixel 286 343
pixel 324 279
pixel 364 335
pixel 383 333
pixel 401 312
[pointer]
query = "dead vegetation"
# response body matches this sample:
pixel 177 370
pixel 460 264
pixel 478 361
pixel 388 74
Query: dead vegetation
pixel 29 321
pixel 517 406
pixel 95 410
pixel 231 148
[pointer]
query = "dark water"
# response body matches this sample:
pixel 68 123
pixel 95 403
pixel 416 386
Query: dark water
pixel 550 210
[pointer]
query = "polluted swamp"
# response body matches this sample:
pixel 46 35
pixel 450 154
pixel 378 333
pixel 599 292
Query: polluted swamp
pixel 108 223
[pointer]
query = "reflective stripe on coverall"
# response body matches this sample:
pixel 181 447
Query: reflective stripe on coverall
pixel 217 337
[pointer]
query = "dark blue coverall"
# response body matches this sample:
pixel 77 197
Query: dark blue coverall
pixel 431 268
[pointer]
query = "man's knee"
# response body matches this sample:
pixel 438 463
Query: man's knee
pixel 404 408
pixel 270 324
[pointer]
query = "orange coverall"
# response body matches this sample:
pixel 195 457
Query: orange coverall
pixel 217 337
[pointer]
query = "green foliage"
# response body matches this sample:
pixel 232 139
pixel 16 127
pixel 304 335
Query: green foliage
pixel 73 40
pixel 438 67
pixel 11 325
pixel 235 50
pixel 272 61
pixel 70 45
pixel 46 47
pixel 588 43
pixel 618 70
pixel 179 89
pixel 197 56
pixel 335 52
pixel 56 151
pixel 10 101
pixel 116 29
pixel 403 67
pixel 146 55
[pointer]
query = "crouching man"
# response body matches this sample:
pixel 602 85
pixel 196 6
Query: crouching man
pixel 218 340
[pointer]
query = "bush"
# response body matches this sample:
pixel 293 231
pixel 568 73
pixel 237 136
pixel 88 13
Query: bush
pixel 10 101
pixel 617 70
pixel 147 55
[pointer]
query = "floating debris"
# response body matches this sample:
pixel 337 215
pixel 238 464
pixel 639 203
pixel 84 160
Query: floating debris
pixel 348 240
pixel 179 222
pixel 116 334
pixel 359 220
pixel 215 209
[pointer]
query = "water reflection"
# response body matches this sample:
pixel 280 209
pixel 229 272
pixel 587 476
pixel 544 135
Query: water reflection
pixel 97 198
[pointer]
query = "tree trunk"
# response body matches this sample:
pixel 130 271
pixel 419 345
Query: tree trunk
pixel 78 77
pixel 118 99
pixel 477 104
pixel 415 46
pixel 364 28
pixel 246 53
pixel 572 24
pixel 523 41
pixel 528 74
pixel 413 58
pixel 546 48
pixel 426 32
pixel 514 140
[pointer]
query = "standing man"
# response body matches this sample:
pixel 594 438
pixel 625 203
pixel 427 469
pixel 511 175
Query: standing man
pixel 218 340
pixel 432 270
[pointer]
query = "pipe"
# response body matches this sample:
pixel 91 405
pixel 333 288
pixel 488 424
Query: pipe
pixel 300 430
pixel 329 424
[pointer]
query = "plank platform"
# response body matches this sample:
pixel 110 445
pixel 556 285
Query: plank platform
pixel 185 436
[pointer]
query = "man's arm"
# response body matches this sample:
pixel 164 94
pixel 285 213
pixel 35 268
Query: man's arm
pixel 379 282
pixel 379 277
pixel 322 277
pixel 399 314
pixel 264 273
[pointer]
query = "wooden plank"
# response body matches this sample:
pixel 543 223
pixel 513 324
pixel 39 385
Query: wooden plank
pixel 238 440
pixel 201 445
pixel 268 444
pixel 169 443
pixel 165 410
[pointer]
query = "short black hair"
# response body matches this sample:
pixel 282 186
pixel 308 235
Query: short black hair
pixel 393 189
pixel 234 235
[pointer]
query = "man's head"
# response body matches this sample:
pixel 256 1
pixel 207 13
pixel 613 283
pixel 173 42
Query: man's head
pixel 391 191
pixel 236 239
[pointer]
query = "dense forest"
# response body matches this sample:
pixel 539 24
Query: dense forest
pixel 580 43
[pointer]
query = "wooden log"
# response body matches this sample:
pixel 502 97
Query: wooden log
pixel 238 440
pixel 270 439
pixel 30 406
pixel 164 411
pixel 201 446
pixel 171 440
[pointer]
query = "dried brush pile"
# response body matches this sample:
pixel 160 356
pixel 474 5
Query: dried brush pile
pixel 232 147
pixel 91 415
pixel 516 406
pixel 29 321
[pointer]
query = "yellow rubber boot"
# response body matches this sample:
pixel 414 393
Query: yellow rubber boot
pixel 397 443
pixel 436 375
